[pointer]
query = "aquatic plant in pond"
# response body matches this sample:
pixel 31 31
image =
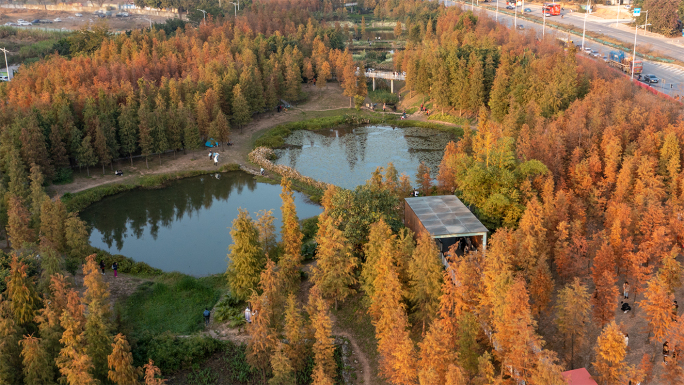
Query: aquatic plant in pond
pixel 347 157
pixel 183 227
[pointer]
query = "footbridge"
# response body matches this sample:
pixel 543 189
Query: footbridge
pixel 389 75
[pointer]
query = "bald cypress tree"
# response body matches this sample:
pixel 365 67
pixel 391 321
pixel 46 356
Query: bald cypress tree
pixel 18 223
pixel 97 326
pixel 610 355
pixel 246 256
pixel 10 352
pixel 86 154
pixel 323 346
pixel 22 293
pixel 425 271
pixel 38 195
pixel 120 362
pixel 36 362
pixel 76 236
pixel 291 235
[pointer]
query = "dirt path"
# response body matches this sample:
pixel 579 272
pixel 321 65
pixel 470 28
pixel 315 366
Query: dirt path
pixel 357 353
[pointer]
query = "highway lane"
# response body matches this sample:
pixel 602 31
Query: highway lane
pixel 672 75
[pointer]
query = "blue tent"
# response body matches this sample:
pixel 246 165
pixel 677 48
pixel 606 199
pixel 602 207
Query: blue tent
pixel 210 141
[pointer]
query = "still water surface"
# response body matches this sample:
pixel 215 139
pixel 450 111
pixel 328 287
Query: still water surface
pixel 347 157
pixel 184 227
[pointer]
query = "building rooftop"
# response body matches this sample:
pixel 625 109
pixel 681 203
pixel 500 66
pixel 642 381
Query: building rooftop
pixel 445 216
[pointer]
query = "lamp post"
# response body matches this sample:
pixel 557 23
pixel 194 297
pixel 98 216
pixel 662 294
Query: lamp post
pixel 617 20
pixel 584 29
pixel 515 18
pixel 150 20
pixel 205 14
pixel 544 25
pixel 646 25
pixel 9 77
pixel 234 6
pixel 497 10
pixel 636 29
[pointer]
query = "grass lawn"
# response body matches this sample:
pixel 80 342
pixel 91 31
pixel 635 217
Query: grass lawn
pixel 173 303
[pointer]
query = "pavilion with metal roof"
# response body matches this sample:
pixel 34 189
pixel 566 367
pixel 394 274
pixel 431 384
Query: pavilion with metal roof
pixel 447 220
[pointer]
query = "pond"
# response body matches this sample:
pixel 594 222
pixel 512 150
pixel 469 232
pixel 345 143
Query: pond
pixel 185 226
pixel 347 157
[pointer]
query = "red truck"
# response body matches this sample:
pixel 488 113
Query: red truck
pixel 552 9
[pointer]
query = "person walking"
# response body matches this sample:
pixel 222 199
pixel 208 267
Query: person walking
pixel 207 315
pixel 626 340
pixel 216 159
pixel 115 267
pixel 625 289
pixel 248 315
pixel 102 266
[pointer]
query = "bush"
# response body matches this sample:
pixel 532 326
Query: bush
pixel 236 363
pixel 170 352
pixel 383 96
pixel 205 376
pixel 309 228
pixel 63 176
pixel 448 118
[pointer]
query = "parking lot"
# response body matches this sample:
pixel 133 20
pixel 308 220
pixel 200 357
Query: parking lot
pixel 63 20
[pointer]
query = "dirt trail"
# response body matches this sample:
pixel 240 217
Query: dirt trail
pixel 357 353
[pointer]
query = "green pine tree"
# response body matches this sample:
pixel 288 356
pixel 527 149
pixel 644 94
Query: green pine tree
pixel 86 154
pixel 241 111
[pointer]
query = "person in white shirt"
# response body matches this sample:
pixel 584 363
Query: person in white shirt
pixel 248 315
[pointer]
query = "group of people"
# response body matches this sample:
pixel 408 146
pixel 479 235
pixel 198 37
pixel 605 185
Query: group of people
pixel 115 268
pixel 214 156
pixel 423 109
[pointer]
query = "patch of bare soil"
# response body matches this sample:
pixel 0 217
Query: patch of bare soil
pixel 328 98
pixel 120 287
pixel 69 20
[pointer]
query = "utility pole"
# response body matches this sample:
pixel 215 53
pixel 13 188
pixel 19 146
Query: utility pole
pixel 646 25
pixel 205 14
pixel 544 25
pixel 636 29
pixel 584 29
pixel 497 10
pixel 9 77
pixel 515 18
pixel 146 19
pixel 235 7
pixel 617 20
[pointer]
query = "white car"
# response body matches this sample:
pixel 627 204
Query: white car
pixel 58 20
pixel 4 78
pixel 587 50
pixel 20 21
pixel 79 15
pixel 9 24
pixel 24 23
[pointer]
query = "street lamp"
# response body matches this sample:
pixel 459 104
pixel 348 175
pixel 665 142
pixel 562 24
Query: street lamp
pixel 9 77
pixel 234 6
pixel 146 19
pixel 646 25
pixel 617 20
pixel 205 14
pixel 636 29
pixel 584 29
pixel 497 10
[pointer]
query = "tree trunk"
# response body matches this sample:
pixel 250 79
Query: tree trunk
pixel 147 164
pixel 130 155
pixel 88 170
pixel 572 352
pixel 103 171
pixel 160 158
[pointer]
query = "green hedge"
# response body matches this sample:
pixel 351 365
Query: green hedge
pixel 448 118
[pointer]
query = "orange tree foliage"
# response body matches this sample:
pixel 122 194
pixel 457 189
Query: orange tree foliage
pixel 84 109
pixel 610 355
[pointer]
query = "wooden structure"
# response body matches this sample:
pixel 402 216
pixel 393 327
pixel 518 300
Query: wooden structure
pixel 579 377
pixel 447 220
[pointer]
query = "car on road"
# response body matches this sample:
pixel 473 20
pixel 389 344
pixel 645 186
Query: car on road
pixel 44 21
pixel 595 53
pixel 24 23
pixel 36 21
pixel 9 24
pixel 650 79
pixel 58 20
pixel 587 50
pixel 605 59
pixel 520 26
pixel 527 10
pixel 79 15
pixel 4 78
pixel 123 14
pixel 510 7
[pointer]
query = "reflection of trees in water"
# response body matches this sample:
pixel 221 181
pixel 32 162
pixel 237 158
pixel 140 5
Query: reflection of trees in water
pixel 155 209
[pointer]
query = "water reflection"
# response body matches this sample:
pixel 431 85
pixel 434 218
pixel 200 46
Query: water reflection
pixel 183 227
pixel 347 157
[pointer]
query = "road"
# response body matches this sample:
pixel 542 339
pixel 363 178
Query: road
pixel 671 76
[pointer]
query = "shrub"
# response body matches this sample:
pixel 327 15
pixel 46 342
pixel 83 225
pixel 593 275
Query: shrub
pixel 170 352
pixel 448 118
pixel 63 176
pixel 383 96
pixel 309 228
pixel 236 364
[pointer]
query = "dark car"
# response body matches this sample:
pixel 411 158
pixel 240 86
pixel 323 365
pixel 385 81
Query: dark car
pixel 527 10
pixel 510 7
pixel 37 21
pixel 650 79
